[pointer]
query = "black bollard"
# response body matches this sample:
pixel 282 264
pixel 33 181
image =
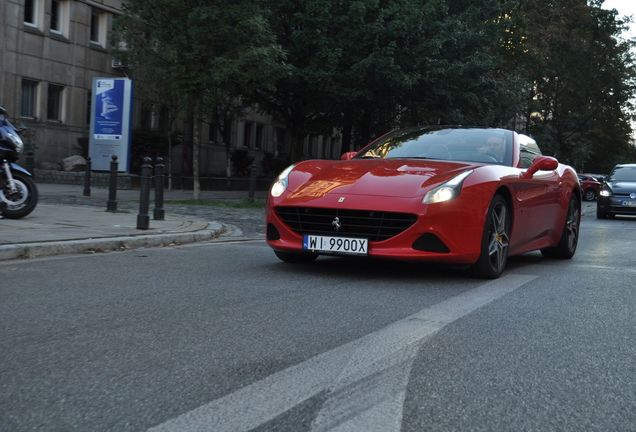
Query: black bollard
pixel 143 220
pixel 250 194
pixel 87 178
pixel 111 205
pixel 158 212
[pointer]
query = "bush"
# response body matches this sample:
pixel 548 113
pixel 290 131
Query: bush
pixel 241 162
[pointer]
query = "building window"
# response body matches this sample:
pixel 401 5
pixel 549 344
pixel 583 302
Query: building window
pixel 55 102
pixel 33 12
pixel 98 27
pixel 226 133
pixel 59 16
pixel 28 107
pixel 258 139
pixel 55 16
pixel 247 135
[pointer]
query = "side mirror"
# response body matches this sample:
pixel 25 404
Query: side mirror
pixel 348 155
pixel 542 163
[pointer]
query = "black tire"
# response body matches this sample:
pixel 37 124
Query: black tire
pixel 296 257
pixel 600 214
pixel 589 195
pixel 22 202
pixel 495 240
pixel 566 247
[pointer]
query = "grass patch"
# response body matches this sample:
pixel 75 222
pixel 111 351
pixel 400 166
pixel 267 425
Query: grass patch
pixel 244 203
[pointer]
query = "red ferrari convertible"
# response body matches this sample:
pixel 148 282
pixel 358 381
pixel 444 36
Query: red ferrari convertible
pixel 452 195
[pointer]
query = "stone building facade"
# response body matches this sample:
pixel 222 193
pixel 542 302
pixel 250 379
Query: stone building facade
pixel 50 51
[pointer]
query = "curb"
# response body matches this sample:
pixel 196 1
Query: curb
pixel 108 244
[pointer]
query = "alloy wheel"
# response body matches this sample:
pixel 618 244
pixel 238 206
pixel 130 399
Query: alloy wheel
pixel 499 238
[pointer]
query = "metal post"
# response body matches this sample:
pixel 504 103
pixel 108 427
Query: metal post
pixel 250 195
pixel 87 178
pixel 143 220
pixel 111 205
pixel 158 212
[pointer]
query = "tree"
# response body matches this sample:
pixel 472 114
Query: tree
pixel 581 80
pixel 205 53
pixel 367 66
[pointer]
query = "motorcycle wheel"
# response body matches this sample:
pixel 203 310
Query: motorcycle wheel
pixel 23 201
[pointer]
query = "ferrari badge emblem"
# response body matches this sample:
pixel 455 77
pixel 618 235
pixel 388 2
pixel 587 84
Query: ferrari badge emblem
pixel 341 199
pixel 336 223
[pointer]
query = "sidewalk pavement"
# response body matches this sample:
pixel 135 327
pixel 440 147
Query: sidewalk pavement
pixel 66 222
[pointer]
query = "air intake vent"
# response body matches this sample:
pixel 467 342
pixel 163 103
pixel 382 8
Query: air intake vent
pixel 374 225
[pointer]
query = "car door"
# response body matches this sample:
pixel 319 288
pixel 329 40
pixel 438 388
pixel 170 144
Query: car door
pixel 536 197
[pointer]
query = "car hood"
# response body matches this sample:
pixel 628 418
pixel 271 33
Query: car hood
pixel 622 186
pixel 396 177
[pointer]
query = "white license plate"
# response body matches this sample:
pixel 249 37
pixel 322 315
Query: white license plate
pixel 629 203
pixel 341 245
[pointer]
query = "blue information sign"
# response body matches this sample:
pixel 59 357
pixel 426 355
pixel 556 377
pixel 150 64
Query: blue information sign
pixel 109 108
pixel 110 123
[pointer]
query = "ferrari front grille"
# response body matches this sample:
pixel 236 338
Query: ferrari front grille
pixel 370 224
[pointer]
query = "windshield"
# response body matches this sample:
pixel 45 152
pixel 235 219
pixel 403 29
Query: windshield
pixel 624 173
pixel 493 146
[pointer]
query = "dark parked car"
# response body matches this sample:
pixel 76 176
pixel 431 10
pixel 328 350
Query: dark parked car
pixel 599 177
pixel 618 192
pixel 590 187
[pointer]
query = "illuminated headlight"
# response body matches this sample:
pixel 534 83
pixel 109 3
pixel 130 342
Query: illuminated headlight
pixel 605 192
pixel 16 141
pixel 280 184
pixel 446 191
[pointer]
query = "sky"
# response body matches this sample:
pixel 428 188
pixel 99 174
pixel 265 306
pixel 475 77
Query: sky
pixel 624 7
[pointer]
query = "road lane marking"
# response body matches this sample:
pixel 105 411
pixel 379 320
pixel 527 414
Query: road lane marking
pixel 365 379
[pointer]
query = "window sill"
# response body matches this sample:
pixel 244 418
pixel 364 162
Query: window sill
pixel 31 28
pixel 58 36
pixel 97 47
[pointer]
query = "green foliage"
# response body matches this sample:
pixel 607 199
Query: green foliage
pixel 556 69
pixel 581 75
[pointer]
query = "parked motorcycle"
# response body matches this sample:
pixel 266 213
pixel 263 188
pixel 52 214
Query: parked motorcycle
pixel 18 193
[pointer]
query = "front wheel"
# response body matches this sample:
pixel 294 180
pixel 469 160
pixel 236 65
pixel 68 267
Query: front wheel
pixel 23 200
pixel 495 241
pixel 589 195
pixel 570 238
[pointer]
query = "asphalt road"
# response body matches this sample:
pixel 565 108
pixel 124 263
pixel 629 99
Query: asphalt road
pixel 224 337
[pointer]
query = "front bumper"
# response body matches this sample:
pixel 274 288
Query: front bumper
pixel 616 205
pixel 454 224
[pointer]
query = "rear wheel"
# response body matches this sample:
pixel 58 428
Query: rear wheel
pixel 589 195
pixel 296 257
pixel 495 241
pixel 22 201
pixel 566 247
